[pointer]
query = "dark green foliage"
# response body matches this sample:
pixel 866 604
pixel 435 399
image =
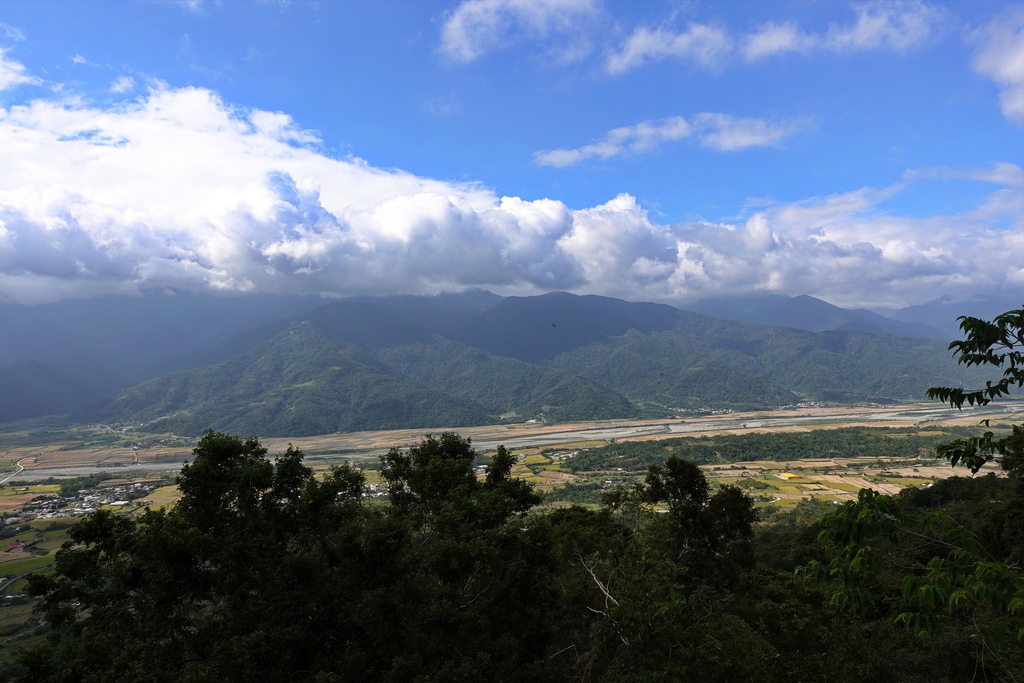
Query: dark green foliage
pixel 504 385
pixel 575 493
pixel 69 487
pixel 264 573
pixel 760 365
pixel 941 563
pixel 999 343
pixel 301 382
pixel 664 368
pixel 847 442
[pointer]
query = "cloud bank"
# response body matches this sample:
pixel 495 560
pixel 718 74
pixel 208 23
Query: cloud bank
pixel 178 189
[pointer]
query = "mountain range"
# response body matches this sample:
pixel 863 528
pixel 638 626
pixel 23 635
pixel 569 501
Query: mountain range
pixel 807 313
pixel 459 360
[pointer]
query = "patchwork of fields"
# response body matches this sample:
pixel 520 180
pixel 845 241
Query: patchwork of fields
pixel 29 457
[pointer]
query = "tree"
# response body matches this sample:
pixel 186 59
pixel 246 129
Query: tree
pixel 700 520
pixel 957 563
pixel 999 343
pixel 177 595
pixel 436 476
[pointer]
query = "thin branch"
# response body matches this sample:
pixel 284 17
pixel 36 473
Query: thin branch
pixel 601 586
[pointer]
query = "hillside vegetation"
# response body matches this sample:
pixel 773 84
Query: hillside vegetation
pixel 388 363
pixel 263 572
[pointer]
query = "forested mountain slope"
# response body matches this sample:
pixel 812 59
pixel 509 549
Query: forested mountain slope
pixel 300 382
pixel 365 364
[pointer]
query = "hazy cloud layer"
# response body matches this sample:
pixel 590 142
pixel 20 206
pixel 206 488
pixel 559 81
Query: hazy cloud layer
pixel 720 132
pixel 124 198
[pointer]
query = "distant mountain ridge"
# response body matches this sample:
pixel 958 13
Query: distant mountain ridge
pixel 377 364
pixel 942 313
pixel 808 313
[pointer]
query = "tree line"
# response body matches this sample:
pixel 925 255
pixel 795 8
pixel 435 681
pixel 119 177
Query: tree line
pixel 263 572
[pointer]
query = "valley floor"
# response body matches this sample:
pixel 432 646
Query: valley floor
pixel 37 452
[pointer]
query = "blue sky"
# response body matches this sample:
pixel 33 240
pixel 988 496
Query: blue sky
pixel 866 153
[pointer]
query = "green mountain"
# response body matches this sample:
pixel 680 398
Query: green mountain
pixel 704 360
pixel 505 385
pixel 301 382
pixel 424 362
pixel 665 369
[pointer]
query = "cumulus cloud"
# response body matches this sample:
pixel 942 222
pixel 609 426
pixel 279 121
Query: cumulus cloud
pixel 477 27
pixel 999 55
pixel 123 198
pixel 720 132
pixel 13 73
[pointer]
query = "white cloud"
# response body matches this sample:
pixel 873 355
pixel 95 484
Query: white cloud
pixel 79 59
pixel 702 44
pixel 477 27
pixel 281 127
pixel 196 6
pixel 1000 56
pixel 720 132
pixel 775 38
pixel 731 133
pixel 892 26
pixel 12 32
pixel 178 189
pixel 122 84
pixel 13 73
pixel 1000 173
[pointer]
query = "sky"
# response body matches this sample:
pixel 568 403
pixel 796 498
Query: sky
pixel 869 154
